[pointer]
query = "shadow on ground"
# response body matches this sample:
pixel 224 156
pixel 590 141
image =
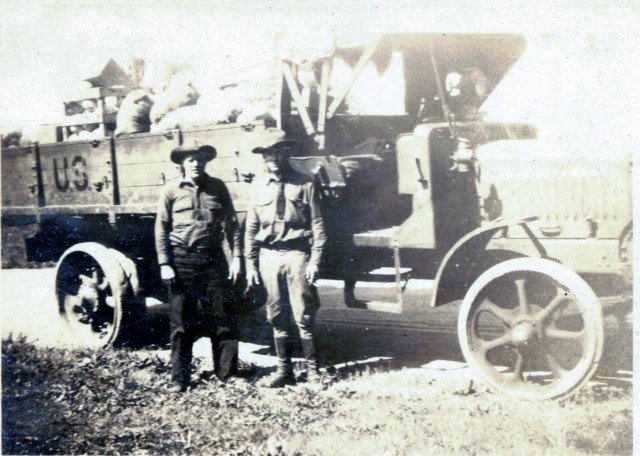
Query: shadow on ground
pixel 357 348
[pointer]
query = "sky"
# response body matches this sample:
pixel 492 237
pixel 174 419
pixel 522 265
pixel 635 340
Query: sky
pixel 577 68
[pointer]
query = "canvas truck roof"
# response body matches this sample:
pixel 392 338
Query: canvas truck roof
pixel 483 58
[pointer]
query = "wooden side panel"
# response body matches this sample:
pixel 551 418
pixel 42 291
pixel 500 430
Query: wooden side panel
pixel 144 166
pixel 19 177
pixel 78 173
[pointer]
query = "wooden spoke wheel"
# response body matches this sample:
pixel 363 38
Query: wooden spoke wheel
pixel 92 289
pixel 531 328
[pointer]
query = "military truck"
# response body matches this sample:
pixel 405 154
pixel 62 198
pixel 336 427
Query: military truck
pixel 414 184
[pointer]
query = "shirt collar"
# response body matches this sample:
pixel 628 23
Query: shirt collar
pixel 184 182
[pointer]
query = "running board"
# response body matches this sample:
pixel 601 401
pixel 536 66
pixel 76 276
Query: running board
pixel 397 272
pixel 386 274
pixel 378 306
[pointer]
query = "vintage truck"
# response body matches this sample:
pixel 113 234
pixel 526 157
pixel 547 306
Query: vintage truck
pixel 414 184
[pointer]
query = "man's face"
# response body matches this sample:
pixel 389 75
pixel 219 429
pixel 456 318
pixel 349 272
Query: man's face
pixel 194 165
pixel 275 160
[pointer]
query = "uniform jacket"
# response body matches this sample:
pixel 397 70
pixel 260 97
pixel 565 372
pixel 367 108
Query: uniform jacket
pixel 195 217
pixel 302 218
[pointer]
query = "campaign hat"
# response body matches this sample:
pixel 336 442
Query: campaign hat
pixel 192 147
pixel 275 139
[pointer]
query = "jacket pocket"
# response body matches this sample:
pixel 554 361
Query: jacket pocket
pixel 182 204
pixel 296 207
pixel 182 212
pixel 211 211
pixel 295 194
pixel 263 205
pixel 212 202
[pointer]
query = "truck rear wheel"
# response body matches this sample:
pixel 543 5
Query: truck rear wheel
pixel 93 291
pixel 531 328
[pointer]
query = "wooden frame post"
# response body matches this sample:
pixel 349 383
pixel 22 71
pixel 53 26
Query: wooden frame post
pixel 322 110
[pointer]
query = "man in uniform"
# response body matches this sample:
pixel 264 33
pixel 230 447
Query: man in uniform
pixel 285 237
pixel 195 213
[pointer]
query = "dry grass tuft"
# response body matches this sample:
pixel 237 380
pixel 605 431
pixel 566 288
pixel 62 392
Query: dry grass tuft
pixel 117 402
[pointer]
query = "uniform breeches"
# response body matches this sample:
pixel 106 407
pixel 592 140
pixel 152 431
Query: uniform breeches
pixel 290 296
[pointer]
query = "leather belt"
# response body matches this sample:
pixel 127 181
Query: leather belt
pixel 284 246
pixel 190 250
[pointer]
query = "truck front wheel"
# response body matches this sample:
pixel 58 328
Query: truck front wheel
pixel 531 328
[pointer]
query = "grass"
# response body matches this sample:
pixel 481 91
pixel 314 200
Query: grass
pixel 117 402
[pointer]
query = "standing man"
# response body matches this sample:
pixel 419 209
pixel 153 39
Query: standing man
pixel 195 214
pixel 284 238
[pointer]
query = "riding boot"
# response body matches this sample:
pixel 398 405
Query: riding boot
pixel 349 293
pixel 284 374
pixel 311 360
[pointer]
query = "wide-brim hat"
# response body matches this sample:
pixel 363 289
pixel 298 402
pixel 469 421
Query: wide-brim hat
pixel 275 139
pixel 181 152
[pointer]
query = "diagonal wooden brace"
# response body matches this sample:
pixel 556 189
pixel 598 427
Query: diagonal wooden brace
pixel 360 66
pixel 297 98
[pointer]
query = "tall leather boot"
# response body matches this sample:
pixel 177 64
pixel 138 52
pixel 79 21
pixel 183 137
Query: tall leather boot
pixel 311 360
pixel 284 374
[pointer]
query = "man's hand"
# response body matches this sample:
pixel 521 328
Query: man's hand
pixel 311 273
pixel 167 274
pixel 253 278
pixel 235 269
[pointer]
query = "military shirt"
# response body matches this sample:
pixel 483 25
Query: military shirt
pixel 196 217
pixel 301 221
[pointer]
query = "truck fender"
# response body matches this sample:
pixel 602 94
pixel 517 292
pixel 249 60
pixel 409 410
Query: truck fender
pixel 625 255
pixel 98 250
pixel 454 271
pixel 130 270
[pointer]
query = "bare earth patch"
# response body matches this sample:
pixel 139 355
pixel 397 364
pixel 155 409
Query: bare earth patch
pixel 59 401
